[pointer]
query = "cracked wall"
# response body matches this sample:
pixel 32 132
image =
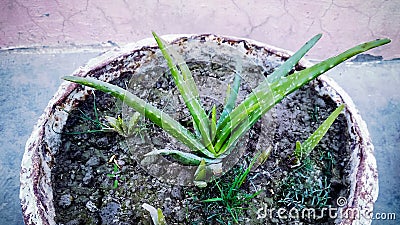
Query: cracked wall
pixel 282 23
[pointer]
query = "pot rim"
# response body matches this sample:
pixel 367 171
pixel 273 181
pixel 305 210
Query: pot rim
pixel 35 191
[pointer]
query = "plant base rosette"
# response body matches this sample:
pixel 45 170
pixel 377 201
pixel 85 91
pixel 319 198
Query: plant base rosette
pixel 46 195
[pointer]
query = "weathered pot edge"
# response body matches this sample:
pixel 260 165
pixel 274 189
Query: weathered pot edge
pixel 32 181
pixel 366 191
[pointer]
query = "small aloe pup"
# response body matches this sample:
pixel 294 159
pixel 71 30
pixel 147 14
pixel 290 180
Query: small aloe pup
pixel 217 136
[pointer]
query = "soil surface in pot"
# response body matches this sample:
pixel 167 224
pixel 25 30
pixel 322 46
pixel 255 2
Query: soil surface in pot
pixel 96 179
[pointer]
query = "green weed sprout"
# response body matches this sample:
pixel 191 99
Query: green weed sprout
pixel 218 137
pixel 122 128
pixel 95 122
pixel 114 175
pixel 231 196
pixel 113 124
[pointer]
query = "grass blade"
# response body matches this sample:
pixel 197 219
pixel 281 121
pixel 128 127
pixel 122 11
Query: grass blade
pixel 213 200
pixel 158 117
pixel 187 87
pixel 239 180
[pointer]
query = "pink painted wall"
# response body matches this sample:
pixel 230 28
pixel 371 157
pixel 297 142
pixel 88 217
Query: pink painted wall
pixel 283 23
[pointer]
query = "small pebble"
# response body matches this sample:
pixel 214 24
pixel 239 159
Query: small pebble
pixel 102 143
pixel 93 161
pixel 109 212
pixel 176 192
pixel 65 200
pixel 91 206
pixel 88 176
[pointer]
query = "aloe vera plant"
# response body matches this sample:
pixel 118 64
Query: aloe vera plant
pixel 217 138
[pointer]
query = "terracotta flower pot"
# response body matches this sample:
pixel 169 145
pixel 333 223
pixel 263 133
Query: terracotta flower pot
pixel 36 191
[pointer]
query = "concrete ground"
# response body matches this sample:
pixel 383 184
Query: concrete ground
pixel 40 41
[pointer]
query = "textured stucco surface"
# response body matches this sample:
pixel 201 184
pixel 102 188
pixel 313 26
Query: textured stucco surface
pixel 283 23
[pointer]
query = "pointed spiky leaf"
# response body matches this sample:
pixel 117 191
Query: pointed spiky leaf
pixel 298 151
pixel 200 175
pixel 184 158
pixel 259 96
pixel 286 67
pixel 157 116
pixel 303 150
pixel 187 87
pixel 280 89
pixel 213 122
pixel 232 93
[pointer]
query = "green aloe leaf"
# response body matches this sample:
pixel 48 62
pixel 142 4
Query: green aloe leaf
pixel 264 155
pixel 232 93
pixel 303 150
pixel 280 89
pixel 119 125
pixel 187 87
pixel 287 85
pixel 158 117
pixel 286 67
pixel 213 122
pixel 196 130
pixel 184 158
pixel 229 135
pixel 200 175
pixel 260 97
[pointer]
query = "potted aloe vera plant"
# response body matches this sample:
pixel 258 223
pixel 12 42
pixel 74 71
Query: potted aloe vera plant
pixel 208 129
